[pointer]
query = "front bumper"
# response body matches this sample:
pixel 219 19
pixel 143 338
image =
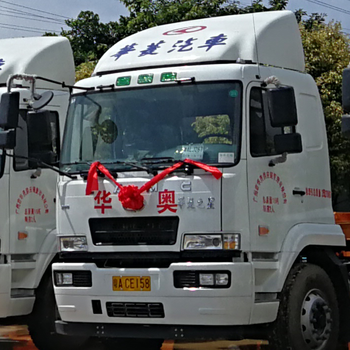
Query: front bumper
pixel 183 332
pixel 233 306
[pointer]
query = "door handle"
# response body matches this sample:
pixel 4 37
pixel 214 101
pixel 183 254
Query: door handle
pixel 298 192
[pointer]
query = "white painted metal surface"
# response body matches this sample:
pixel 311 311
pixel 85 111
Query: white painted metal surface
pixel 268 38
pixel 48 57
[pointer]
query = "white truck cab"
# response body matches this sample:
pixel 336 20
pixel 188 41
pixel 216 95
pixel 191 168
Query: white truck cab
pixel 28 242
pixel 201 256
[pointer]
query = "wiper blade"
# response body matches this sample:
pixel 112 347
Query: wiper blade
pixel 122 162
pixel 77 163
pixel 135 165
pixel 158 160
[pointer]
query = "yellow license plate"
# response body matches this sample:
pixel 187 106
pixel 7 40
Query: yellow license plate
pixel 132 284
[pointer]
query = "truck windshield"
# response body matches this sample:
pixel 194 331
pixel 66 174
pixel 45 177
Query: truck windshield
pixel 171 122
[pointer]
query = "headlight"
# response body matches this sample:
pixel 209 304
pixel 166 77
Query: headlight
pixel 73 244
pixel 231 241
pixel 63 279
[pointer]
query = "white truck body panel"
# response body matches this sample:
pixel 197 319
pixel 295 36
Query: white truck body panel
pixel 270 38
pixel 48 57
pixel 28 204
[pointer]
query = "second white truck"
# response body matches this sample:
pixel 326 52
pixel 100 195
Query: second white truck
pixel 28 241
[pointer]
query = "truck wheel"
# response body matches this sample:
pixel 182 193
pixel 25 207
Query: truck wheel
pixel 128 344
pixel 41 322
pixel 308 316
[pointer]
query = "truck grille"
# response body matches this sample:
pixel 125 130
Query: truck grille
pixel 134 231
pixel 82 279
pixel 143 310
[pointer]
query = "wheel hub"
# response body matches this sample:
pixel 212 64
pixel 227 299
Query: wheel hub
pixel 316 321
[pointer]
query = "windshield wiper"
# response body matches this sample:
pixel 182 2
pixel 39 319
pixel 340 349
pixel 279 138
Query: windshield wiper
pixel 132 164
pixel 187 168
pixel 137 166
pixel 158 160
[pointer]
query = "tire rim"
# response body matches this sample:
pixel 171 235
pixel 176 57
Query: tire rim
pixel 316 321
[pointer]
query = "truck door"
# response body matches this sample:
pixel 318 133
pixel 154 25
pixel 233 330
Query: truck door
pixel 273 209
pixel 32 195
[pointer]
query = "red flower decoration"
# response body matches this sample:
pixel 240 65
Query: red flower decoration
pixel 130 197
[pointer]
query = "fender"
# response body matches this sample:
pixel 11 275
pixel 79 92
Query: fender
pixel 303 235
pixel 46 255
pixel 298 238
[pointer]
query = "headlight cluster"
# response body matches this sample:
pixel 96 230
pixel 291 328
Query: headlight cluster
pixel 73 278
pixel 202 279
pixel 225 241
pixel 214 279
pixel 73 244
pixel 63 278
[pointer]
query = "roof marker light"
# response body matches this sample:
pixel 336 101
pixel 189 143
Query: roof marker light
pixel 145 79
pixel 165 77
pixel 123 81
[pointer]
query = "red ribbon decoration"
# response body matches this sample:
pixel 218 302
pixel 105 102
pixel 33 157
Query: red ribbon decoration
pixel 131 196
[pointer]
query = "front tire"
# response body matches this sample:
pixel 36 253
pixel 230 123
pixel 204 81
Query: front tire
pixel 308 317
pixel 41 322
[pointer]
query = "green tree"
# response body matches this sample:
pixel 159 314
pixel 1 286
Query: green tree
pixel 149 13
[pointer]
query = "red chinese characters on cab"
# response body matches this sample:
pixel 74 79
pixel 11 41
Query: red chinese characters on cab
pixel 103 201
pixel 167 201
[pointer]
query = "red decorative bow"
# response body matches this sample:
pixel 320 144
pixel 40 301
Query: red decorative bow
pixel 131 196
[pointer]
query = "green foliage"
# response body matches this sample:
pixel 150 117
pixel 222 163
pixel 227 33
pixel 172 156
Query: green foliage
pixel 149 13
pixel 84 70
pixel 213 128
pixel 89 37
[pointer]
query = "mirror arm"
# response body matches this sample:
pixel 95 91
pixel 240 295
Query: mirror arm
pixel 26 77
pixel 40 163
pixel 278 160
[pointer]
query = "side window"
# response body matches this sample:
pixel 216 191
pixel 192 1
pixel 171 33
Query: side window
pixel 261 132
pixel 21 149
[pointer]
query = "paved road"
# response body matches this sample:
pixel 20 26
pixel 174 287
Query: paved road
pixel 17 338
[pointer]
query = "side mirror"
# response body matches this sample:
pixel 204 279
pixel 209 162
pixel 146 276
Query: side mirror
pixel 7 139
pixel 288 143
pixel 345 126
pixel 40 136
pixel 346 90
pixel 282 107
pixel 9 110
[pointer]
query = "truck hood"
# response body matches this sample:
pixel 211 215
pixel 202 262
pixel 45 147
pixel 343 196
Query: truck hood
pixel 192 203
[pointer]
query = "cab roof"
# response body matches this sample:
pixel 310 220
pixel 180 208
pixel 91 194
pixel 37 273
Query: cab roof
pixel 48 57
pixel 269 38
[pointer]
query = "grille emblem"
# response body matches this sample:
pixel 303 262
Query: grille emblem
pixel 186 186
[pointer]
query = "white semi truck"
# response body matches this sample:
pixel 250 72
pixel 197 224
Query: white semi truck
pixel 28 242
pixel 238 240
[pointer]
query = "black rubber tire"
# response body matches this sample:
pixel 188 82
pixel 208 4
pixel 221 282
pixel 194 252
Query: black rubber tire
pixel 41 323
pixel 293 329
pixel 129 344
